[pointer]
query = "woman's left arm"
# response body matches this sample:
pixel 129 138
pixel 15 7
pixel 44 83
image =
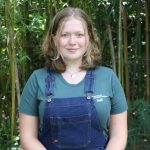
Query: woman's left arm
pixel 118 132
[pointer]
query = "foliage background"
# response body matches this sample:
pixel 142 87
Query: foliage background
pixel 123 28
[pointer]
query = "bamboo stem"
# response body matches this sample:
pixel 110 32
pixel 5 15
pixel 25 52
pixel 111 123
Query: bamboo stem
pixel 9 11
pixel 147 32
pixel 111 47
pixel 17 84
pixel 120 52
pixel 126 54
pixel 138 46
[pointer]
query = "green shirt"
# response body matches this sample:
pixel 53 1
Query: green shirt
pixel 108 94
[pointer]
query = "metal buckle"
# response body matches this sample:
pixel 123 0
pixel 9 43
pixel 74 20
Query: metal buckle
pixel 49 98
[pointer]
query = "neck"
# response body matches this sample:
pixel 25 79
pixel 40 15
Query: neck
pixel 73 67
pixel 73 63
pixel 73 73
pixel 73 70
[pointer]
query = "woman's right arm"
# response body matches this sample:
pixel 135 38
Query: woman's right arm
pixel 29 133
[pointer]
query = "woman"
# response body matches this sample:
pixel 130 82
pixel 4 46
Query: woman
pixel 73 103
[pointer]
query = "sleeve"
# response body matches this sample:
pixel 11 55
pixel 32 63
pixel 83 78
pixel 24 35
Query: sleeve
pixel 118 100
pixel 28 103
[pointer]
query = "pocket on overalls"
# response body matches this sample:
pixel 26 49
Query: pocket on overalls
pixel 71 132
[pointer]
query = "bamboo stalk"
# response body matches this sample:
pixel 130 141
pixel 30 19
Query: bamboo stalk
pixel 17 83
pixel 55 6
pixel 147 33
pixel 138 47
pixel 13 89
pixel 126 54
pixel 49 11
pixel 120 50
pixel 111 47
pixel 9 11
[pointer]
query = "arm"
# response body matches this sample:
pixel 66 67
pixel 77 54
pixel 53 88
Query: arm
pixel 118 132
pixel 29 133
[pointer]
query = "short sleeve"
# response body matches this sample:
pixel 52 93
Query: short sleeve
pixel 28 103
pixel 118 100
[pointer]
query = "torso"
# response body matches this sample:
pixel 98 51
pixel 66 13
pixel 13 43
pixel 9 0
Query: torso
pixel 104 96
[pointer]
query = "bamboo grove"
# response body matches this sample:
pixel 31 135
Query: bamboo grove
pixel 123 28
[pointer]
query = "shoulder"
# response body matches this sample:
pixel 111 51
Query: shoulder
pixel 104 71
pixel 37 76
pixel 105 75
pixel 39 73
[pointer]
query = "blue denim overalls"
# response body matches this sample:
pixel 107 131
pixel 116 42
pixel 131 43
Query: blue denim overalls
pixel 72 123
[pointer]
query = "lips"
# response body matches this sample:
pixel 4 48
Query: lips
pixel 72 49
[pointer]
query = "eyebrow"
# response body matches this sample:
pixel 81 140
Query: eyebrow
pixel 75 32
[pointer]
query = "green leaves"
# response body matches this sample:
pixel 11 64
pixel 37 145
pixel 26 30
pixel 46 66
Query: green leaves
pixel 138 123
pixel 37 23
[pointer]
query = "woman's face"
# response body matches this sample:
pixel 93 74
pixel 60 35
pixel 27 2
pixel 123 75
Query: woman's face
pixel 73 40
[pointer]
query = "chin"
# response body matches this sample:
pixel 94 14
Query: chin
pixel 73 58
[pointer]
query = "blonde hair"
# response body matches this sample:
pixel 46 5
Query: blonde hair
pixel 54 61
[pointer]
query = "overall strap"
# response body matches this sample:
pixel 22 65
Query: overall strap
pixel 89 82
pixel 49 83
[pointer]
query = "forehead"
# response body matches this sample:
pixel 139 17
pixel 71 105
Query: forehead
pixel 73 24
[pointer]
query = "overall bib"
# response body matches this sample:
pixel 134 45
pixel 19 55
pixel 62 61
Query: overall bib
pixel 72 123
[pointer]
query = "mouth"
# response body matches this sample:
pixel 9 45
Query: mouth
pixel 72 49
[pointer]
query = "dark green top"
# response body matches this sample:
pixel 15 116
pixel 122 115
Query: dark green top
pixel 108 94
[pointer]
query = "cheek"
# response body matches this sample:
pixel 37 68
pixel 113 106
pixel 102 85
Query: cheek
pixel 58 45
pixel 85 42
pixel 61 43
pixel 82 42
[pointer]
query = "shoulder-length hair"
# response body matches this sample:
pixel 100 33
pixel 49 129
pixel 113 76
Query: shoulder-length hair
pixel 54 61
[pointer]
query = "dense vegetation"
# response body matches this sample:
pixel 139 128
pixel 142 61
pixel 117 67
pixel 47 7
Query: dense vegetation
pixel 123 28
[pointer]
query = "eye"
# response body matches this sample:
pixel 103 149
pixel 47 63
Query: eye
pixel 79 35
pixel 64 35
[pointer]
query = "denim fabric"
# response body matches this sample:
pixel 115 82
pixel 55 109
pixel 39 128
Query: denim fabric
pixel 72 123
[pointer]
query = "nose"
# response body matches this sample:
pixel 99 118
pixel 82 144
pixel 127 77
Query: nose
pixel 72 40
